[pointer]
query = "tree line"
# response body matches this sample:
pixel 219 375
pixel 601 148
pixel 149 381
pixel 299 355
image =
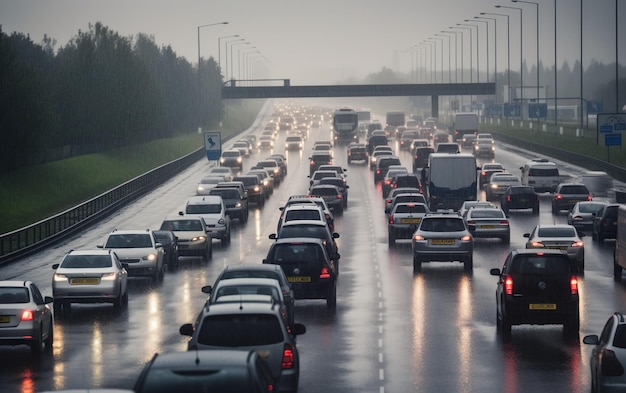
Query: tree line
pixel 100 91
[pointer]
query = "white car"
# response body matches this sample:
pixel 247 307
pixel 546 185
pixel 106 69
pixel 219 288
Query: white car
pixel 206 183
pixel 213 210
pixel 138 249
pixel 89 276
pixel 225 171
pixel 194 238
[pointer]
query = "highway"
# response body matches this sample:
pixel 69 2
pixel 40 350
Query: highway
pixel 392 331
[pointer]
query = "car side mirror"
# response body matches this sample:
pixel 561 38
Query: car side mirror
pixel 335 235
pixel 48 299
pixel 298 329
pixel 55 266
pixel 207 289
pixel 181 213
pixel 494 272
pixel 100 246
pixel 272 236
pixel 186 330
pixel 527 235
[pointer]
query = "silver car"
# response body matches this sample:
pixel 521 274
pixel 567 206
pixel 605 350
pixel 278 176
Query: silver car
pixel 608 356
pixel 488 222
pixel 498 184
pixel 442 237
pixel 89 276
pixel 404 220
pixel 560 237
pixel 139 250
pixel 581 215
pixel 25 317
pixel 194 238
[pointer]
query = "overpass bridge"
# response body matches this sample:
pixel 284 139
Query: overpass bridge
pixel 231 90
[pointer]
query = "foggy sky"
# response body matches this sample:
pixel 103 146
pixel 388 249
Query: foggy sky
pixel 328 41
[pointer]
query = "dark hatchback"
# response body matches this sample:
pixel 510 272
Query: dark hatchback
pixel 357 152
pixel 537 287
pixel 310 271
pixel 420 156
pixel 169 241
pixel 605 223
pixel 318 159
pixel 520 197
pixel 331 195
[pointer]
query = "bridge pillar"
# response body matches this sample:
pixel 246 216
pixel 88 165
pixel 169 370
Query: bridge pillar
pixel 434 106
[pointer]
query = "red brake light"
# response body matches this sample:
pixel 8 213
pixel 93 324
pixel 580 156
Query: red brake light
pixel 508 198
pixel 325 273
pixel 338 196
pixel 573 285
pixel 589 197
pixel 288 357
pixel 27 315
pixel 504 223
pixel 558 196
pixel 508 285
pixel 387 181
pixel 312 162
pixel 391 219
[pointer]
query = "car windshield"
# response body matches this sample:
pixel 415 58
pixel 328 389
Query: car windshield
pixel 314 231
pixel 540 265
pixel 486 213
pixel 220 379
pixel 411 209
pixel 442 225
pixel 225 193
pixel 229 290
pixel 556 232
pixel 129 241
pixel 181 225
pixel 240 330
pixel 86 261
pixel 211 180
pixel 204 209
pixel 13 295
pixel 231 154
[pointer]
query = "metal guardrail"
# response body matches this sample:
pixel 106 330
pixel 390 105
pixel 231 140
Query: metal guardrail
pixel 591 163
pixel 27 240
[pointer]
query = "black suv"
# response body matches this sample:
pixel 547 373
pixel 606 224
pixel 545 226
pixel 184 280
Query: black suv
pixel 605 223
pixel 318 159
pixel 520 197
pixel 382 166
pixel 567 194
pixel 357 152
pixel 236 202
pixel 420 156
pixel 254 188
pixel 310 271
pixel 537 287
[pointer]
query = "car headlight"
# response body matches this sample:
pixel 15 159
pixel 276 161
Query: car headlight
pixel 221 221
pixel 198 238
pixel 222 160
pixel 238 204
pixel 256 189
pixel 150 257
pixel 494 186
pixel 60 277
pixel 239 160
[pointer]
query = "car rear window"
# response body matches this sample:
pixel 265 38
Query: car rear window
pixel 292 215
pixel 129 241
pixel 556 232
pixel 619 340
pixel 546 172
pixel 589 207
pixel 411 209
pixel 203 209
pixel 314 231
pixel 486 213
pixel 229 290
pixel 296 253
pixel 540 265
pixel 225 193
pixel 323 191
pixel 574 190
pixel 12 295
pixel 241 330
pixel 86 261
pixel 181 225
pixel 442 225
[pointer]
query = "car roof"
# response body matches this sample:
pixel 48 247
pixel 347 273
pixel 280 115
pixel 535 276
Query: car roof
pixel 304 223
pixel 202 359
pixel 249 281
pixel 204 199
pixel 96 251
pixel 130 231
pixel 15 283
pixel 299 240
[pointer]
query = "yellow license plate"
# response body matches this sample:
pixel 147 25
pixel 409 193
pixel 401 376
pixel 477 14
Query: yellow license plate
pixel 442 241
pixel 542 306
pixel 299 279
pixel 487 226
pixel 410 220
pixel 5 319
pixel 84 281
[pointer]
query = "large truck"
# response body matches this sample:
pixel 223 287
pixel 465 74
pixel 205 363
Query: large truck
pixel 395 118
pixel 464 123
pixel 450 180
pixel 619 253
pixel 346 125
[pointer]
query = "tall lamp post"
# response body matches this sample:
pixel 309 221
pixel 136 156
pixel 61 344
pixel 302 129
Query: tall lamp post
pixel 487 41
pixel 508 49
pixel 521 54
pixel 231 55
pixel 199 61
pixel 226 55
pixel 470 57
pixel 449 54
pixel 537 10
pixel 244 52
pixel 219 48
pixel 441 54
pixel 495 48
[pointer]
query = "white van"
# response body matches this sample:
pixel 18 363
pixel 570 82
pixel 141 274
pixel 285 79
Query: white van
pixel 541 174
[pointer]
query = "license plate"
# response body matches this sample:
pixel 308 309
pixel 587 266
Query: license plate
pixel 84 281
pixel 488 226
pixel 410 220
pixel 442 241
pixel 559 248
pixel 5 319
pixel 299 279
pixel 542 306
pixel 523 200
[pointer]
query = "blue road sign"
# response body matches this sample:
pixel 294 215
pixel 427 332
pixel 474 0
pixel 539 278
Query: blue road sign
pixel 213 145
pixel 613 139
pixel 537 110
pixel 594 107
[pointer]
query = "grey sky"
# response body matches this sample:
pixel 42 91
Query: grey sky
pixel 325 41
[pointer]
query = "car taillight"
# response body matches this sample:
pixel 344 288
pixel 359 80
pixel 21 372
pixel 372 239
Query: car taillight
pixel 578 244
pixel 537 244
pixel 391 219
pixel 471 223
pixel 378 171
pixel 611 367
pixel 508 198
pixel 387 181
pixel 27 315
pixel 558 196
pixel 589 198
pixel 325 273
pixel 338 196
pixel 312 162
pixel 573 285
pixel 504 223
pixel 387 200
pixel 483 173
pixel 508 285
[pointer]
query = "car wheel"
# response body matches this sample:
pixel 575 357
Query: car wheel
pixel 35 346
pixel 468 265
pixel 392 238
pixel 50 340
pixel 417 264
pixel 331 300
pixel 617 272
pixel 505 326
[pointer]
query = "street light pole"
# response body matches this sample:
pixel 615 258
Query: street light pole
pixel 441 62
pixel 508 50
pixel 487 35
pixel 521 55
pixel 226 55
pixel 200 100
pixel 219 49
pixel 495 48
pixel 537 6
pixel 449 55
pixel 231 56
